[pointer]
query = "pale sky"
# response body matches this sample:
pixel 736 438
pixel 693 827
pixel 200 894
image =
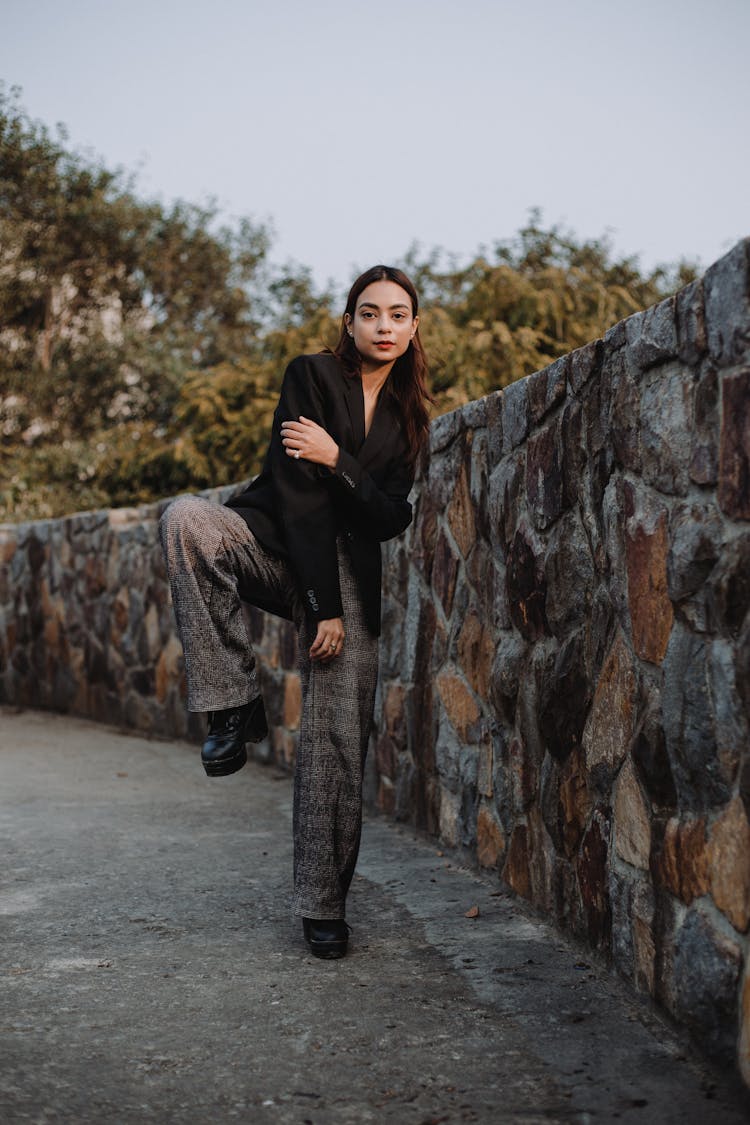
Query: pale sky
pixel 359 127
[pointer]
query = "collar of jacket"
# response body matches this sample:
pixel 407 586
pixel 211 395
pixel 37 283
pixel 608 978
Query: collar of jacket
pixel 366 447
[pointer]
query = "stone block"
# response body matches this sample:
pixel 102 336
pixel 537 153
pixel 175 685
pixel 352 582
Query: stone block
pixel 386 759
pixel 691 323
pixel 448 818
pixel 610 726
pixel 506 670
pixel 564 802
pixel 651 613
pixel 386 798
pixel 621 887
pixel 169 667
pixel 292 701
pixel 505 488
pixel 443 468
pixel 644 944
pixel 152 632
pixel 696 533
pixel 394 705
pixel 743 1053
pixel 584 363
pixel 545 493
pixel 575 802
pixel 461 515
pixel 564 697
pixel 516 872
pixel 729 586
pixel 494 420
pixel 568 553
pixel 631 820
pixel 487 580
pixel 444 572
pixel 734 449
pixel 707 967
pixel 515 415
pixel 615 337
pixel 444 430
pixel 729 864
pixel 727 306
pixel 596 402
pixel 592 872
pixel 477 473
pixel 573 452
pixel 666 429
pixel 526 586
pixel 486 766
pixel 490 838
pixel 542 862
pixel 424 537
pixel 626 419
pixel 651 759
pixel 474 414
pixel 687 715
pixel 731 717
pixel 704 459
pixel 546 388
pixel 652 335
pixel 475 651
pixel 460 705
pixel 680 861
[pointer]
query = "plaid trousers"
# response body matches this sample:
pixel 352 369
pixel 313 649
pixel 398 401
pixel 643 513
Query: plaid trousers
pixel 214 563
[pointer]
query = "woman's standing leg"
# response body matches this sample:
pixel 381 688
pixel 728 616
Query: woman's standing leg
pixel 338 703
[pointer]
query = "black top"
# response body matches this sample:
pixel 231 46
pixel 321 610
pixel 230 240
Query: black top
pixel 296 509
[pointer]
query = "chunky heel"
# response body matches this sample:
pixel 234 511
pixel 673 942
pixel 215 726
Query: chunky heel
pixel 226 765
pixel 328 939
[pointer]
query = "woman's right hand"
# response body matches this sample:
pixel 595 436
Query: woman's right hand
pixel 329 640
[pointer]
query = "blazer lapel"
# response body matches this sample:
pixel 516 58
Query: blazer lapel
pixel 355 404
pixel 380 435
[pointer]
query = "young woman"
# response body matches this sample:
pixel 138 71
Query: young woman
pixel 303 541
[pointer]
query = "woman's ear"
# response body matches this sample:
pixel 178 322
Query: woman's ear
pixel 348 323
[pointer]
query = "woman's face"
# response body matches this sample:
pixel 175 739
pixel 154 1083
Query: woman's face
pixel 382 325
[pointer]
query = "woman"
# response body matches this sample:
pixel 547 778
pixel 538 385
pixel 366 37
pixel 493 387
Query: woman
pixel 303 541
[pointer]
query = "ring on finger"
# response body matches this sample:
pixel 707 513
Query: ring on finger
pixel 296 454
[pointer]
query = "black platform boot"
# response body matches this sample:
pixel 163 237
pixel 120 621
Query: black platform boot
pixel 224 749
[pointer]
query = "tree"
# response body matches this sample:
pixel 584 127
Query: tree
pixel 142 347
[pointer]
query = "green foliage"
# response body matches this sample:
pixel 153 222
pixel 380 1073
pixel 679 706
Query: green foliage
pixel 517 309
pixel 142 346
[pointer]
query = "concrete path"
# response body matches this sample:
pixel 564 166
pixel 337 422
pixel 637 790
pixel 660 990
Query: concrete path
pixel 151 971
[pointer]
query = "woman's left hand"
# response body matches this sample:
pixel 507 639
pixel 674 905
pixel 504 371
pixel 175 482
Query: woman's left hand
pixel 310 441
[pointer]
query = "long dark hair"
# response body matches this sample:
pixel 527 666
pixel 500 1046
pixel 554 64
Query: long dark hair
pixel 407 381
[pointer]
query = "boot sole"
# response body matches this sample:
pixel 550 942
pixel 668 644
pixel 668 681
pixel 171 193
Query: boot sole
pixel 328 950
pixel 226 765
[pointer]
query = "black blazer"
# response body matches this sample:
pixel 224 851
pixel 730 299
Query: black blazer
pixel 297 509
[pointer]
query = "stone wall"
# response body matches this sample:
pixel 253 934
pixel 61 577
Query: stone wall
pixel 565 666
pixel 86 626
pixel 565 680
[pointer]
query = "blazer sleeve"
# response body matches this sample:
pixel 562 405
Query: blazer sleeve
pixel 305 506
pixel 382 512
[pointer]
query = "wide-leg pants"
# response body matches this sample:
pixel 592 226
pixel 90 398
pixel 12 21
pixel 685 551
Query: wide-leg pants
pixel 215 563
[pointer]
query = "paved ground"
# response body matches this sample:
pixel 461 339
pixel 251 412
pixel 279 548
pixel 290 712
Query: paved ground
pixel 151 971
